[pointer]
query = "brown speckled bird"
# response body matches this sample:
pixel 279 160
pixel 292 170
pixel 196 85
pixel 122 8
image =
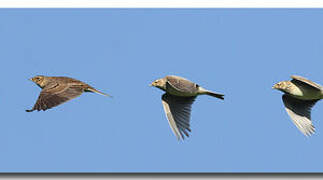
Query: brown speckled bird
pixel 57 90
pixel 300 96
pixel 177 101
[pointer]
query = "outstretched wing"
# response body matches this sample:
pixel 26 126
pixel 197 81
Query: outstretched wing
pixel 178 112
pixel 56 94
pixel 300 113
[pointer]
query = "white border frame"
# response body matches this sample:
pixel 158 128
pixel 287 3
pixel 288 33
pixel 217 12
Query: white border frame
pixel 161 3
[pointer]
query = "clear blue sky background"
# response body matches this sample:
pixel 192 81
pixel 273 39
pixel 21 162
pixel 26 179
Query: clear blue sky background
pixel 238 52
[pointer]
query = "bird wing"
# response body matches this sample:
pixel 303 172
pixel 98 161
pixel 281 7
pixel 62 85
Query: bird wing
pixel 180 85
pixel 300 113
pixel 178 112
pixel 304 81
pixel 55 94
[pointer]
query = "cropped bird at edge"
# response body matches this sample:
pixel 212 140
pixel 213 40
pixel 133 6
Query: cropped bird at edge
pixel 300 95
pixel 177 101
pixel 58 90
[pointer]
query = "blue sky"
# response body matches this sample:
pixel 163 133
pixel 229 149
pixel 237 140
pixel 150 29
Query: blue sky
pixel 238 52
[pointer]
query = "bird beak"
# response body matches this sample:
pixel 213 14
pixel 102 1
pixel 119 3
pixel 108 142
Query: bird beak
pixel 274 86
pixel 151 84
pixel 30 79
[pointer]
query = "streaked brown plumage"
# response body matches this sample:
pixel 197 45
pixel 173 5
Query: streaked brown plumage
pixel 177 101
pixel 58 90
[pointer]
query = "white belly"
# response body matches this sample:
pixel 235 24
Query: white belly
pixel 306 93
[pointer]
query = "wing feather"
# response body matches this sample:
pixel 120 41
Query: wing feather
pixel 56 94
pixel 300 113
pixel 178 112
pixel 304 81
pixel 181 85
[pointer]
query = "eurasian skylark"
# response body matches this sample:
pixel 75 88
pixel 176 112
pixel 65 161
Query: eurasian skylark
pixel 177 101
pixel 57 90
pixel 300 96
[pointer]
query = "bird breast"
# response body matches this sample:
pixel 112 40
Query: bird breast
pixel 305 93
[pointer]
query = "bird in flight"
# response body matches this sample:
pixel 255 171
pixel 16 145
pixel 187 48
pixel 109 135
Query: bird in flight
pixel 58 90
pixel 179 96
pixel 300 95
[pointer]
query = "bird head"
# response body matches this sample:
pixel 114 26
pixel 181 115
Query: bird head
pixel 39 80
pixel 159 83
pixel 282 86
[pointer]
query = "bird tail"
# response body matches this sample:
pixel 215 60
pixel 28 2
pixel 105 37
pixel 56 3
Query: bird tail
pixel 220 96
pixel 90 89
pixel 210 93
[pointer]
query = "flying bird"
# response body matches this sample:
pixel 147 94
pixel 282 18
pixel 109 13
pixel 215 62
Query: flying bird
pixel 300 95
pixel 179 96
pixel 58 90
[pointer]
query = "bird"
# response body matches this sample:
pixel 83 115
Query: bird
pixel 300 95
pixel 58 90
pixel 177 100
